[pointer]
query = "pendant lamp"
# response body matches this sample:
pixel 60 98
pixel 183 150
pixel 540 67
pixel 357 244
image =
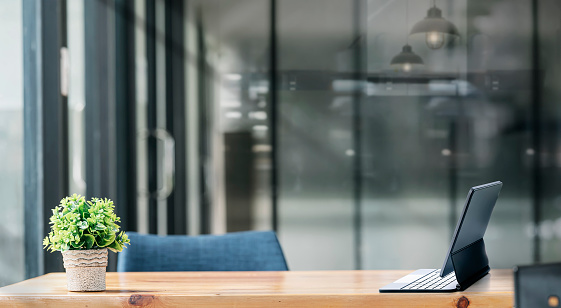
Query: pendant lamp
pixel 435 27
pixel 406 60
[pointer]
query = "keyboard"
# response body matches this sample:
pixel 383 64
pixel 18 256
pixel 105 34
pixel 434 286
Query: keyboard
pixel 431 281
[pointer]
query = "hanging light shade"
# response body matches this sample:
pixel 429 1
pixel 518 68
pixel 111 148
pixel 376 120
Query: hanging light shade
pixel 406 59
pixel 435 27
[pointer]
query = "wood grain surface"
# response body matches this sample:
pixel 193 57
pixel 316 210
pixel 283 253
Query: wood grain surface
pixel 253 289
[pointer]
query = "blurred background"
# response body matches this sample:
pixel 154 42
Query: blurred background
pixel 327 121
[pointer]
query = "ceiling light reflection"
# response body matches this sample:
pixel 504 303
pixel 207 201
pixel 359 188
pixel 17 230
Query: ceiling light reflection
pixel 233 115
pixel 257 115
pixel 233 77
pixel 260 128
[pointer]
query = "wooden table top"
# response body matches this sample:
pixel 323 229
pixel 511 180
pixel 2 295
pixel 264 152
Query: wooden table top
pixel 253 289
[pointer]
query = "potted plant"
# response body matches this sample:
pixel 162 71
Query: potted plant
pixel 83 231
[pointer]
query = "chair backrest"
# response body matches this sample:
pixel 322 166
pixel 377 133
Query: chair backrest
pixel 239 251
pixel 537 285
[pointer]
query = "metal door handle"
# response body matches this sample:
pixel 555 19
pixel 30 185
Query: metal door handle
pixel 168 163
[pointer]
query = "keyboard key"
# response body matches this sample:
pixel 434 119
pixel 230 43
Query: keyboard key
pixel 431 281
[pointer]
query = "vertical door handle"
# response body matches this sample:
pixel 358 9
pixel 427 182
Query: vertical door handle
pixel 168 163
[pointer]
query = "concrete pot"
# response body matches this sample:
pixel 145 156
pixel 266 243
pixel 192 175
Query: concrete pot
pixel 85 269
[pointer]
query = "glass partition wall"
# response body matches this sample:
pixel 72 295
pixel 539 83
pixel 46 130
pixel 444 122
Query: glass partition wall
pixel 12 229
pixel 547 81
pixel 462 118
pixel 236 37
pixel 315 128
pixel 382 124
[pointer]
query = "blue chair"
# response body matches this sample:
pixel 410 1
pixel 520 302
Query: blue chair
pixel 240 251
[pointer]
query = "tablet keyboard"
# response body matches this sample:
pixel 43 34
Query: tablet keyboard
pixel 431 281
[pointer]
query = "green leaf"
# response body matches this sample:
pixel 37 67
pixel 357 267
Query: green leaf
pixel 82 209
pixel 83 225
pixel 89 239
pixel 115 247
pixel 77 244
pixel 106 241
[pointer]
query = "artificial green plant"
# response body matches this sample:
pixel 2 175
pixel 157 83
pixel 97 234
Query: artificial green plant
pixel 80 224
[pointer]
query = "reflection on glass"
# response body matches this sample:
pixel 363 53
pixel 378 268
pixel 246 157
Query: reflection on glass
pixel 549 226
pixel 76 98
pixel 141 95
pixel 441 111
pixel 237 35
pixel 429 137
pixel 11 143
pixel 315 132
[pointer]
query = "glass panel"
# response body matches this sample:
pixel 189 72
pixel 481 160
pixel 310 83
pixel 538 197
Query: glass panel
pixel 405 202
pixel 549 31
pixel 76 98
pixel 237 38
pixel 315 146
pixel 192 120
pixel 458 113
pixel 11 143
pixel 141 81
pixel 431 133
pixel 494 135
pixel 148 136
pixel 161 105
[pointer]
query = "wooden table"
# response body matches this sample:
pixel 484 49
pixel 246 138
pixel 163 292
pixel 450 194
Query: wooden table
pixel 253 289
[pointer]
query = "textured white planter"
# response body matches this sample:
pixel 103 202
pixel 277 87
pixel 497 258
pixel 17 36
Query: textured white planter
pixel 85 269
